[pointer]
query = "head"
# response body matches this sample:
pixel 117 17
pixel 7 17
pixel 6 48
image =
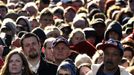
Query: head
pixel 40 33
pixel 3 10
pixel 76 36
pixel 31 8
pixel 83 62
pixel 128 52
pixel 130 4
pixel 67 67
pixel 49 49
pixel 24 22
pixel 79 22
pixel 90 35
pixel 113 52
pixel 61 49
pixel 52 31
pixel 99 25
pixel 46 17
pixel 114 31
pixel 31 45
pixel 15 63
pixel 69 14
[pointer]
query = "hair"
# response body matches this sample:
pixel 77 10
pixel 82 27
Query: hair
pixel 25 19
pixel 27 35
pixel 5 68
pixel 77 30
pixel 46 11
pixel 52 29
pixel 51 39
pixel 83 60
pixel 122 14
pixel 32 5
pixel 129 48
pixel 59 10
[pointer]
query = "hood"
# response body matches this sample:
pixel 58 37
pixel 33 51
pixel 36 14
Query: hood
pixel 113 26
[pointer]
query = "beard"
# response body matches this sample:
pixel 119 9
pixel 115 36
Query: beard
pixel 33 54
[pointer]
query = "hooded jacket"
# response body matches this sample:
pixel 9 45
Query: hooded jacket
pixel 113 26
pixel 95 68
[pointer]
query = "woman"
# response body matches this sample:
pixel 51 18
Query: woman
pixel 15 64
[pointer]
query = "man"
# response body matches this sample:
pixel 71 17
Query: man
pixel 130 5
pixel 31 47
pixel 113 53
pixel 48 52
pixel 61 50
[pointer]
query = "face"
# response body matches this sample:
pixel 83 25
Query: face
pixel 61 51
pixel 78 37
pixel 113 35
pixel 131 5
pixel 32 11
pixel 128 55
pixel 15 64
pixel 64 72
pixel 49 51
pixel 111 58
pixel 46 20
pixel 84 70
pixel 31 47
pixel 23 23
pixel 34 23
pixel 3 12
pixel 69 15
pixel 100 29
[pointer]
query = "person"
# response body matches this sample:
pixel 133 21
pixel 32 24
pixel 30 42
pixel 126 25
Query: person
pixel 16 64
pixel 130 5
pixel 67 67
pixel 83 63
pixel 113 30
pixel 113 53
pixel 48 52
pixel 31 47
pixel 61 50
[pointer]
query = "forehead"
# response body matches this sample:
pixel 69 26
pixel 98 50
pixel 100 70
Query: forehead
pixel 29 39
pixel 15 56
pixel 111 49
pixel 61 44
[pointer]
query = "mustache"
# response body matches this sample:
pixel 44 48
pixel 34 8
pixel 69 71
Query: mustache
pixel 109 62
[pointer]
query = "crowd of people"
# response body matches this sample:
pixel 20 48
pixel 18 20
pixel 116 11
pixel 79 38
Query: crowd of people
pixel 66 37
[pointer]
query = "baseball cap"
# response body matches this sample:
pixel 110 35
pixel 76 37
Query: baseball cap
pixel 109 43
pixel 60 39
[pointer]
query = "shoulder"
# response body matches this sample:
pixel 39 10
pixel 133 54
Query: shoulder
pixel 94 69
pixel 123 71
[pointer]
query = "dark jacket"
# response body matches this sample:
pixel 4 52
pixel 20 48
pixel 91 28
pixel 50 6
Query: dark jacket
pixel 47 68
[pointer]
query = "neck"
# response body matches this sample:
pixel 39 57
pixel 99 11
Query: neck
pixel 57 61
pixel 34 61
pixel 113 70
pixel 20 73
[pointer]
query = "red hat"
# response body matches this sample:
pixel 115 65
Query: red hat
pixel 85 47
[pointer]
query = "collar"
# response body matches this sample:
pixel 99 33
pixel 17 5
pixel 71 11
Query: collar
pixel 34 68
